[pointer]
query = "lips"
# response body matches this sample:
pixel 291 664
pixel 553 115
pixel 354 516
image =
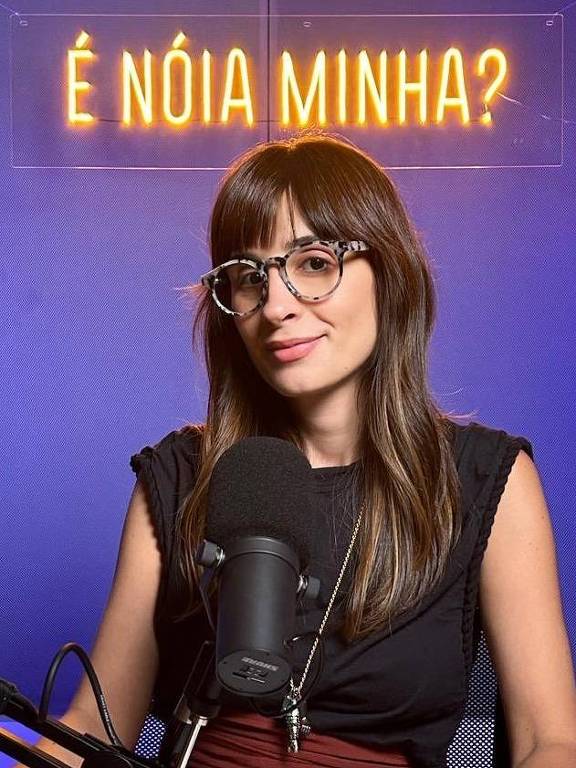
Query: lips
pixel 273 345
pixel 296 351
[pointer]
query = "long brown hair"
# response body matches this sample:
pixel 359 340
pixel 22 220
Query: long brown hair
pixel 408 479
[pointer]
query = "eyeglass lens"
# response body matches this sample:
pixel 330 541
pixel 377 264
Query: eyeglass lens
pixel 312 270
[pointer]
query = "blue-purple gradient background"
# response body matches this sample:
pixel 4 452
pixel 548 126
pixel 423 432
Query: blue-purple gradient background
pixel 96 352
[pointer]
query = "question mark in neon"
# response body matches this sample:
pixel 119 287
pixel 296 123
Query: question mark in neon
pixel 491 53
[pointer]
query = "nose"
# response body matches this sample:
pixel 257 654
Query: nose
pixel 280 301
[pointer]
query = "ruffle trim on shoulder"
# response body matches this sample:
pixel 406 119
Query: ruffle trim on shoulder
pixel 141 465
pixel 471 618
pixel 167 471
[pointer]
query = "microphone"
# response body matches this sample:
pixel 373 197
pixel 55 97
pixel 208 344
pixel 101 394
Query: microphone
pixel 258 541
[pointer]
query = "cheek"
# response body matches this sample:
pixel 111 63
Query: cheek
pixel 356 307
pixel 361 320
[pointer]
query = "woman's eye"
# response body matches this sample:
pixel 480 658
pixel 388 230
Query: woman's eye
pixel 316 263
pixel 312 260
pixel 250 278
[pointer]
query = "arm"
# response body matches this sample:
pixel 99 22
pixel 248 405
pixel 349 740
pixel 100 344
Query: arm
pixel 125 654
pixel 525 630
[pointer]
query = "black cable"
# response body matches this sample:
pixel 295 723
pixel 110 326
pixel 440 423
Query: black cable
pixel 93 679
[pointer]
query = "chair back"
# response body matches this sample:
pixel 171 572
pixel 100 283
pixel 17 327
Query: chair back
pixel 482 730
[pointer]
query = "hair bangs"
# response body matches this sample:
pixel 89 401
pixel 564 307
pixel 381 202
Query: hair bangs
pixel 244 215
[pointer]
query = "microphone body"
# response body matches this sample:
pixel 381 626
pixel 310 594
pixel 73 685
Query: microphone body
pixel 256 615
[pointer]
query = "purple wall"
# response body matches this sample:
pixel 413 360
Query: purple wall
pixel 97 359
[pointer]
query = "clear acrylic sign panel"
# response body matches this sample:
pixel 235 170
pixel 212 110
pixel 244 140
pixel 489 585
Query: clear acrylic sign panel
pixel 274 60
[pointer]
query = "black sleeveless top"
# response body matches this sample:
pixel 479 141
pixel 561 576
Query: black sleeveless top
pixel 402 687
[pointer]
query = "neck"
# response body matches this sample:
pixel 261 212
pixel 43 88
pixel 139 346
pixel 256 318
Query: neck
pixel 329 427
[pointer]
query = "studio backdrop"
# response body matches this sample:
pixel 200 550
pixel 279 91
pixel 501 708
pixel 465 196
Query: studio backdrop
pixel 117 122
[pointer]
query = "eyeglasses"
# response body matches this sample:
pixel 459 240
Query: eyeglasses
pixel 310 271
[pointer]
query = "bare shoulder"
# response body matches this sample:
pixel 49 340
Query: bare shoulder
pixel 522 510
pixel 523 617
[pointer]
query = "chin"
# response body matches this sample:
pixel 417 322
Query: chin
pixel 283 386
pixel 290 392
pixel 293 390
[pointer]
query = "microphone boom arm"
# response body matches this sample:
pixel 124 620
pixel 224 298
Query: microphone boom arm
pixel 96 753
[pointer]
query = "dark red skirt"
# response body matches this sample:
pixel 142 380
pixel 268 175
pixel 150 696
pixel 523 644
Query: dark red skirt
pixel 248 739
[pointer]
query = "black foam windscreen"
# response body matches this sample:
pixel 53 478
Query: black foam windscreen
pixel 262 486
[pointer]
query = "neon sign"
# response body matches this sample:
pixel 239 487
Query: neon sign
pixel 193 91
pixel 347 89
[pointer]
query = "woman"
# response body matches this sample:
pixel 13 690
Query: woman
pixel 327 348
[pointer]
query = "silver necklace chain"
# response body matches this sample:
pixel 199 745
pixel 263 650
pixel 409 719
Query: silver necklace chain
pixel 296 691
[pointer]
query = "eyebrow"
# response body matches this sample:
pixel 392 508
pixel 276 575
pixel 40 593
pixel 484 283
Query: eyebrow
pixel 300 241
